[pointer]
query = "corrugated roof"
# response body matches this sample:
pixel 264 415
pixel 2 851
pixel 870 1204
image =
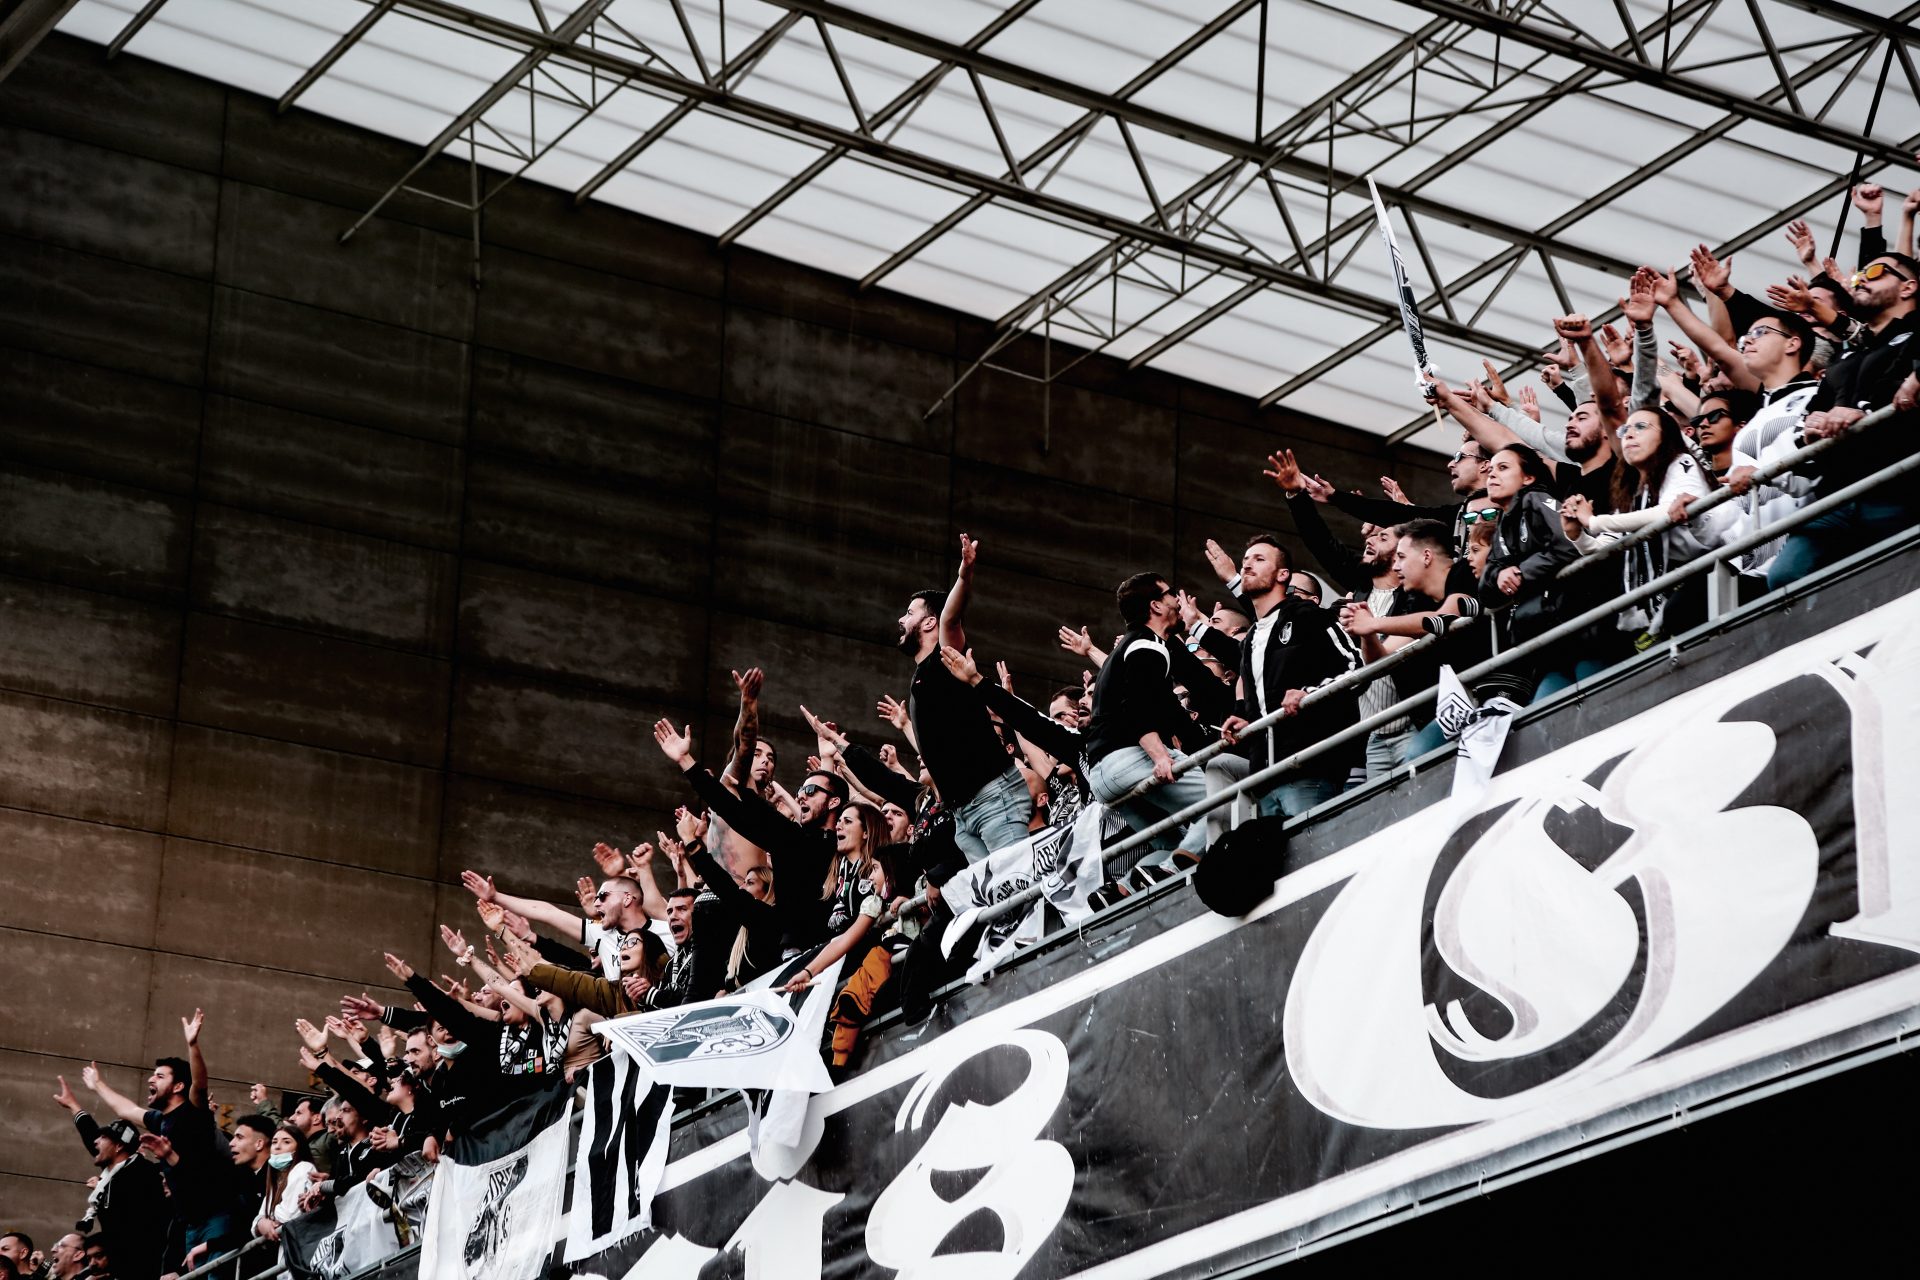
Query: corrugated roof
pixel 1135 176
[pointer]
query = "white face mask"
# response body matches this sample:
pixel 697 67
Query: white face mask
pixel 450 1050
pixel 280 1159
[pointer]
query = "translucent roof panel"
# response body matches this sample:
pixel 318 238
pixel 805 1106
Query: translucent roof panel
pixel 1146 178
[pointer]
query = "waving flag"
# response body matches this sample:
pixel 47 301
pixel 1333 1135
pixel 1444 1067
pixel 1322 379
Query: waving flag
pixel 1423 369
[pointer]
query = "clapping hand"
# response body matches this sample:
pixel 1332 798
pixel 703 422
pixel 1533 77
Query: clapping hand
pixel 689 825
pixel 893 711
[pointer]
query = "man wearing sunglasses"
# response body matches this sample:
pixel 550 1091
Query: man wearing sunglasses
pixel 1865 377
pixel 800 850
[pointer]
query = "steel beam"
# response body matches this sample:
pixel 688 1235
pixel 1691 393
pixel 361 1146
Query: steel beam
pixel 1759 108
pixel 1744 239
pixel 133 27
pixel 540 46
pixel 25 26
pixel 1126 111
pixel 339 50
pixel 900 102
pixel 559 41
pixel 1068 137
pixel 1658 165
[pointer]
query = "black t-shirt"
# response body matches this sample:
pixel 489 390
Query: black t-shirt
pixel 957 741
pixel 1596 486
pixel 199 1190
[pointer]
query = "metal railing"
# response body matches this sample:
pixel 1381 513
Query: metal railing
pixel 1566 629
pixel 228 1259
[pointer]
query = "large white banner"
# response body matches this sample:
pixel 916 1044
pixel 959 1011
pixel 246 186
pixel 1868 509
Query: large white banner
pixel 498 1220
pixel 624 1132
pixel 753 1039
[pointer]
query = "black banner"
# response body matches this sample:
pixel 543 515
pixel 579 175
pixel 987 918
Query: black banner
pixel 1705 874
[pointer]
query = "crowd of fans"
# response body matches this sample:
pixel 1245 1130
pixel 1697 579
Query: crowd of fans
pixel 848 863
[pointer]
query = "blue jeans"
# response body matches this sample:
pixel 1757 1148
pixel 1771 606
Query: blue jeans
pixel 996 817
pixel 1430 737
pixel 1384 751
pixel 1112 776
pixel 1554 681
pixel 1297 795
pixel 1835 536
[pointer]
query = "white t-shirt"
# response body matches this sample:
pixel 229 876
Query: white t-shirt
pixel 604 944
pixel 1262 636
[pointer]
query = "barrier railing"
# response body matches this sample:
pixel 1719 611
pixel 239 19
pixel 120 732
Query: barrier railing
pixel 1261 779
pixel 228 1259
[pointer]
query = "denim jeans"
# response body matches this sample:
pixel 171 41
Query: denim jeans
pixel 1297 795
pixel 1112 776
pixel 996 817
pixel 1835 536
pixel 1384 751
pixel 1289 799
pixel 1554 681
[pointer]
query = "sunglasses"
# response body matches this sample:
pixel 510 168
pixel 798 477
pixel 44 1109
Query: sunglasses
pixel 1470 518
pixel 811 789
pixel 1708 418
pixel 1303 593
pixel 1464 456
pixel 1874 270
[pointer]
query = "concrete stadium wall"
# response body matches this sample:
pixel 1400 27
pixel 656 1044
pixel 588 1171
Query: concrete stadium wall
pixel 324 574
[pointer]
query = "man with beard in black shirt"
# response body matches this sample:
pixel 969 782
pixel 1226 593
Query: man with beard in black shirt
pixel 977 780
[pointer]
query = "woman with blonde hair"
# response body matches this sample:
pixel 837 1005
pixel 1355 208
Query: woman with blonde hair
pixel 854 897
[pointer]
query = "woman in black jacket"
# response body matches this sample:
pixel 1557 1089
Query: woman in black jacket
pixel 1519 584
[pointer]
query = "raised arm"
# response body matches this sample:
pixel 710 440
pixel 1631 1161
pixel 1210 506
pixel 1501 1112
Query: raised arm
pixel 558 919
pixel 1639 306
pixel 1602 384
pixel 118 1103
pixel 190 1029
pixel 746 813
pixel 1341 562
pixel 1666 294
pixel 953 628
pixel 746 728
pixel 894 712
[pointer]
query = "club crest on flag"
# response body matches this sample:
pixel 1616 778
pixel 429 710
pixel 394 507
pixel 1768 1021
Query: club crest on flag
pixel 715 1030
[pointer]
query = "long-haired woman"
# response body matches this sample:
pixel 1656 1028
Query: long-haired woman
pixel 290 1172
pixel 1660 475
pixel 854 897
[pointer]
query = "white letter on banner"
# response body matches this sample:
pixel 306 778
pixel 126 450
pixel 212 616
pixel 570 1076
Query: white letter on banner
pixel 1883 692
pixel 1723 892
pixel 1027 1185
pixel 783 1233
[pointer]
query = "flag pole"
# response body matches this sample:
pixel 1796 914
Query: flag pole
pixel 1423 370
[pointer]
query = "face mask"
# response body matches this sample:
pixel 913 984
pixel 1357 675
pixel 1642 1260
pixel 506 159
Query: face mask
pixel 450 1050
pixel 280 1159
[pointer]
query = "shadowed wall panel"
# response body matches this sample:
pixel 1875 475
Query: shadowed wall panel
pixel 327 575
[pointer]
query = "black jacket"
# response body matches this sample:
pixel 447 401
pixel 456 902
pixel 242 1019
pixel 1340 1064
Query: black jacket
pixel 1305 648
pixel 1865 377
pixel 132 1213
pixel 1530 538
pixel 735 909
pixel 1134 697
pixel 800 855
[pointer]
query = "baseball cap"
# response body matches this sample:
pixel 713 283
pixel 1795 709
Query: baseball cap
pixel 122 1132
